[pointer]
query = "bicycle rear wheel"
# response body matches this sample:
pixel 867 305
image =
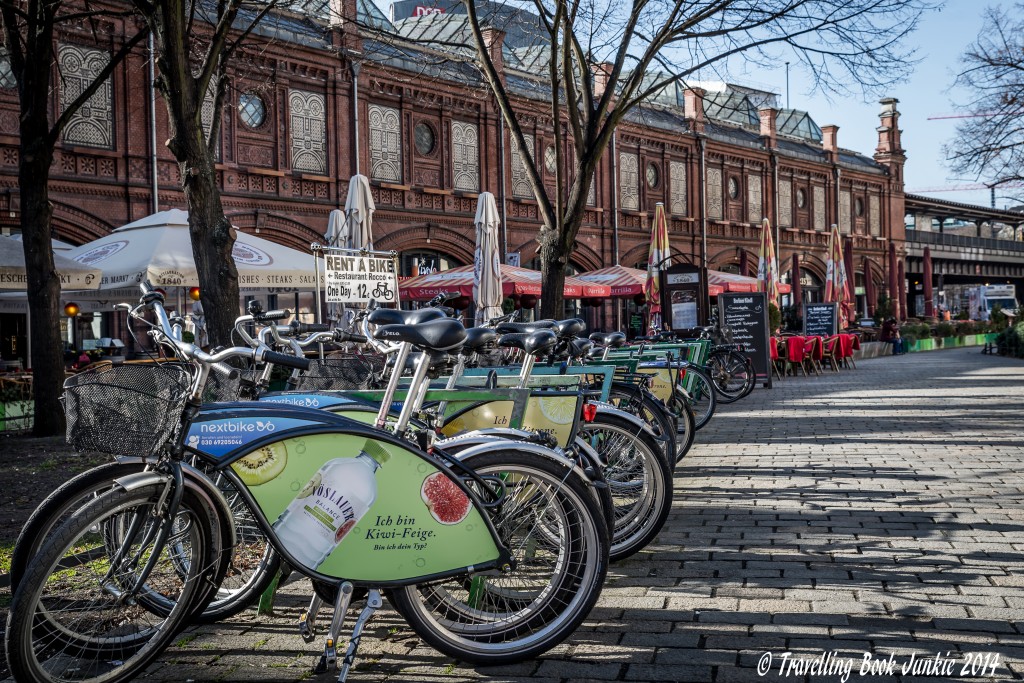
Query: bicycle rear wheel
pixel 732 373
pixel 75 616
pixel 635 401
pixel 695 389
pixel 558 537
pixel 639 478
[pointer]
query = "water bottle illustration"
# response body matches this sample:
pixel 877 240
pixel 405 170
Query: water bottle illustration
pixel 330 505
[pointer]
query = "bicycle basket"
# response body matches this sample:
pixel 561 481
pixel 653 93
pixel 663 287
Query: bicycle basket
pixel 219 388
pixel 129 410
pixel 348 371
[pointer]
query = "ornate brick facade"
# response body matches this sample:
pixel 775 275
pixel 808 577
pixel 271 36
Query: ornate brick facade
pixel 430 142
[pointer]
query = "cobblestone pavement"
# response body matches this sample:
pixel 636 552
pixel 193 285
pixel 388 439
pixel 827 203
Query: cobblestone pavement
pixel 876 512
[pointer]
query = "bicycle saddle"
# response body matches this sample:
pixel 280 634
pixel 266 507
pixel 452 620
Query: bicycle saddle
pixel 394 316
pixel 505 328
pixel 569 328
pixel 477 338
pixel 531 342
pixel 612 339
pixel 435 335
pixel 580 348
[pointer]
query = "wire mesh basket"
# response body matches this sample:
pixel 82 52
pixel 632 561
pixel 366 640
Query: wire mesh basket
pixel 340 372
pixel 219 388
pixel 129 410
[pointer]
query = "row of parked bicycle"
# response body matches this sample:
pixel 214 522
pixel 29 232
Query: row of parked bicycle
pixel 484 502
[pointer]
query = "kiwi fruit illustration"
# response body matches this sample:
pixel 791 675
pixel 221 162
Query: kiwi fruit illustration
pixel 262 465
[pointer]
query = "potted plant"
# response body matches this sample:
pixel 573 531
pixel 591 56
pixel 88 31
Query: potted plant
pixel 945 333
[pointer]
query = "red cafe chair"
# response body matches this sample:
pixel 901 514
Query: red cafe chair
pixel 776 360
pixel 795 354
pixel 830 352
pixel 846 342
pixel 813 355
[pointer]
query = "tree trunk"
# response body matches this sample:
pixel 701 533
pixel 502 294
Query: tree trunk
pixel 46 348
pixel 212 241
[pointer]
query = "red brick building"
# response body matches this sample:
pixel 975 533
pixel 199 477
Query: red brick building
pixel 310 104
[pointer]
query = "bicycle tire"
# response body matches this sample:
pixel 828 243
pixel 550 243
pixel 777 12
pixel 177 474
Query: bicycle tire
pixel 639 478
pixel 490 620
pixel 229 595
pixel 635 401
pixel 732 374
pixel 701 397
pixel 83 640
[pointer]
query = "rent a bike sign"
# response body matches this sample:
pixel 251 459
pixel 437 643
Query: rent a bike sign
pixel 357 278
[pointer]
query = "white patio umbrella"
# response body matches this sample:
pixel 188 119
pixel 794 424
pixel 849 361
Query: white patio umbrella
pixel 14 277
pixel 158 248
pixel 357 232
pixel 487 283
pixel 335 226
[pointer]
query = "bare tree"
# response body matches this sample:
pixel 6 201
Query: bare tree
pixel 195 41
pixel 989 141
pixel 601 59
pixel 30 29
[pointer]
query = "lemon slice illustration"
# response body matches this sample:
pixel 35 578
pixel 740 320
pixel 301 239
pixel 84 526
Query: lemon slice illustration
pixel 561 410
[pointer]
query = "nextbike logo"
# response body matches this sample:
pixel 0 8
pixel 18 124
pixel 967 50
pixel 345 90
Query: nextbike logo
pixel 236 427
pixel 305 402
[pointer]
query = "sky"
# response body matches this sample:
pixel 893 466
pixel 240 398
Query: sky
pixel 940 40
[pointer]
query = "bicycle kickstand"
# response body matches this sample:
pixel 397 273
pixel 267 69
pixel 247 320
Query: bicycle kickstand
pixel 307 622
pixel 329 659
pixel 373 603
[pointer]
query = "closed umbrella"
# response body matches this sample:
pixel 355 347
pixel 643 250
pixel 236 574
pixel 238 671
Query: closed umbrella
pixel 836 283
pixel 487 289
pixel 357 232
pixel 768 265
pixel 656 256
pixel 894 292
pixel 869 287
pixel 335 226
pixel 797 291
pixel 851 276
pixel 929 305
pixel 901 285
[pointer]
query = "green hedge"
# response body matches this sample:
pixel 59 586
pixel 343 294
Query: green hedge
pixel 1011 341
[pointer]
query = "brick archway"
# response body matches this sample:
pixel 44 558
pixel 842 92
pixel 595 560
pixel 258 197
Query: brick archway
pixel 76 226
pixel 431 237
pixel 277 228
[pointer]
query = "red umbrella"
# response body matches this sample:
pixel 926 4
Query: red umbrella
pixel 521 281
pixel 797 292
pixel 731 282
pixel 623 281
pixel 851 277
pixel 929 306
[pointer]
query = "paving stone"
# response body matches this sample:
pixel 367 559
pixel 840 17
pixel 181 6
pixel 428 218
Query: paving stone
pixel 875 510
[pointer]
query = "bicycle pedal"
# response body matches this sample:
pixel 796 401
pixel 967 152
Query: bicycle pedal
pixel 328 660
pixel 307 632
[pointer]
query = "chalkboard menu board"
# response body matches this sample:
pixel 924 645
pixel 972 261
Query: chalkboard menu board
pixel 747 316
pixel 820 320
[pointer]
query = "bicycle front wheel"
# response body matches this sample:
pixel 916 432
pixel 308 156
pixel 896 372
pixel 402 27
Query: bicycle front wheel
pixel 557 535
pixel 77 614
